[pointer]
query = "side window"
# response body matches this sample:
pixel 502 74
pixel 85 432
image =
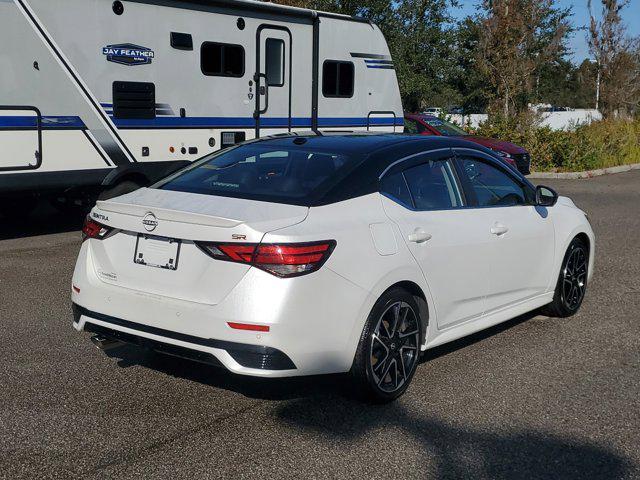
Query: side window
pixel 491 186
pixel 274 59
pixel 433 186
pixel 222 59
pixel 413 126
pixel 395 187
pixel 410 126
pixel 337 79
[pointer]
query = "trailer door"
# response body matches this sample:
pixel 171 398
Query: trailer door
pixel 273 80
pixel 20 138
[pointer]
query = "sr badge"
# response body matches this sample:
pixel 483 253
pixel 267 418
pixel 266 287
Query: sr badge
pixel 128 54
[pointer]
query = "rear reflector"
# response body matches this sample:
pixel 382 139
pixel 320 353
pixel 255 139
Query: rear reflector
pixel 283 260
pixel 93 229
pixel 248 326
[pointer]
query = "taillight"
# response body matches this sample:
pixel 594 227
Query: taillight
pixel 283 260
pixel 93 229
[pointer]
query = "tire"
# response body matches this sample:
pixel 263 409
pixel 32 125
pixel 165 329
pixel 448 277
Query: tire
pixel 388 355
pixel 572 282
pixel 119 189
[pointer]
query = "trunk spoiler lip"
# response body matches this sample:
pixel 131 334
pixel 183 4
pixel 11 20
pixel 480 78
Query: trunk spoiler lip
pixel 178 216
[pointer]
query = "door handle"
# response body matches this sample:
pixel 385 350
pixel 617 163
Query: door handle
pixel 256 78
pixel 419 236
pixel 499 229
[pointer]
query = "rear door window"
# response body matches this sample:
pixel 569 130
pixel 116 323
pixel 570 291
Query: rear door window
pixel 262 173
pixel 395 187
pixel 433 186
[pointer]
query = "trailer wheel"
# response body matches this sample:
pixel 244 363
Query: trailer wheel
pixel 119 189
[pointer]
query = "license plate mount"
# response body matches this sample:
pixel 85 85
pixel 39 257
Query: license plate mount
pixel 158 252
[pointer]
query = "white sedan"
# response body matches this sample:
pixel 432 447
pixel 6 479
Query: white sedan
pixel 302 255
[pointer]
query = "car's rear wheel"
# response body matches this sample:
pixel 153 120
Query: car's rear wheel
pixel 389 348
pixel 572 281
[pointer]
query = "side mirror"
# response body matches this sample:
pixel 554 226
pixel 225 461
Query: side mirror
pixel 546 196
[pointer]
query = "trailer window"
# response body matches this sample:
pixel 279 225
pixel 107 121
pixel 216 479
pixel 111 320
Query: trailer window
pixel 274 60
pixel 222 59
pixel 337 79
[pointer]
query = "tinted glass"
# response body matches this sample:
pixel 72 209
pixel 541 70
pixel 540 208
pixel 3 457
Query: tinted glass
pixel 337 79
pixel 444 127
pixel 492 186
pixel 222 59
pixel 432 186
pixel 413 126
pixel 263 173
pixel 395 187
pixel 274 59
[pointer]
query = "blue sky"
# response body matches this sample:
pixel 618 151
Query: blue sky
pixel 580 18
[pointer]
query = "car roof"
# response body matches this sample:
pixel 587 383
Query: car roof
pixel 362 143
pixel 377 152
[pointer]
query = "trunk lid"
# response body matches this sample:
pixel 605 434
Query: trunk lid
pixel 147 217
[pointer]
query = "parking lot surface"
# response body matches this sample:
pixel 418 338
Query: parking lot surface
pixel 533 398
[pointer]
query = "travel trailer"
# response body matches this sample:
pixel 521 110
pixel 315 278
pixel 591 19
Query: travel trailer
pixel 105 96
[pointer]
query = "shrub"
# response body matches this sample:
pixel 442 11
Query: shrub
pixel 601 144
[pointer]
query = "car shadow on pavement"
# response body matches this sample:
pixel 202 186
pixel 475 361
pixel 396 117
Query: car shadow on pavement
pixel 324 406
pixel 455 450
pixel 278 388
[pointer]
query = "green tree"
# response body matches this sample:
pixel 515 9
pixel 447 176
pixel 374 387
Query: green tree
pixel 421 38
pixel 617 58
pixel 518 37
pixel 468 79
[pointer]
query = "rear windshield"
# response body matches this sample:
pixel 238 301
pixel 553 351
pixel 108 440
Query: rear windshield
pixel 259 172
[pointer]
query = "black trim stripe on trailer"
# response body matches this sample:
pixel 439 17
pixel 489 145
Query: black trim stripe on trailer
pixel 98 149
pixel 70 71
pixel 373 56
pixel 315 74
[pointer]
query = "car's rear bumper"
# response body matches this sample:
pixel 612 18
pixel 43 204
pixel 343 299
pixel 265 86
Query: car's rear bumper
pixel 314 321
pixel 204 350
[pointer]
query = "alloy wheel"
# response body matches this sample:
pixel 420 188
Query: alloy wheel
pixel 394 347
pixel 574 278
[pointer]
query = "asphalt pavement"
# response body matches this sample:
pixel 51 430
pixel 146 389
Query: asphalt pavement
pixel 532 398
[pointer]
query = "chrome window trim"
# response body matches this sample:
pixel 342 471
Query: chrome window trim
pixel 414 155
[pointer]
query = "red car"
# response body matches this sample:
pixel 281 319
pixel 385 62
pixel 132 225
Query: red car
pixel 512 154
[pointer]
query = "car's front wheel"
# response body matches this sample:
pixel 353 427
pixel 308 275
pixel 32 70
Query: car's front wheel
pixel 572 281
pixel 389 348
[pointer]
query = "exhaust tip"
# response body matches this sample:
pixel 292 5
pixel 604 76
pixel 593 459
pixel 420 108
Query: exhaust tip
pixel 105 343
